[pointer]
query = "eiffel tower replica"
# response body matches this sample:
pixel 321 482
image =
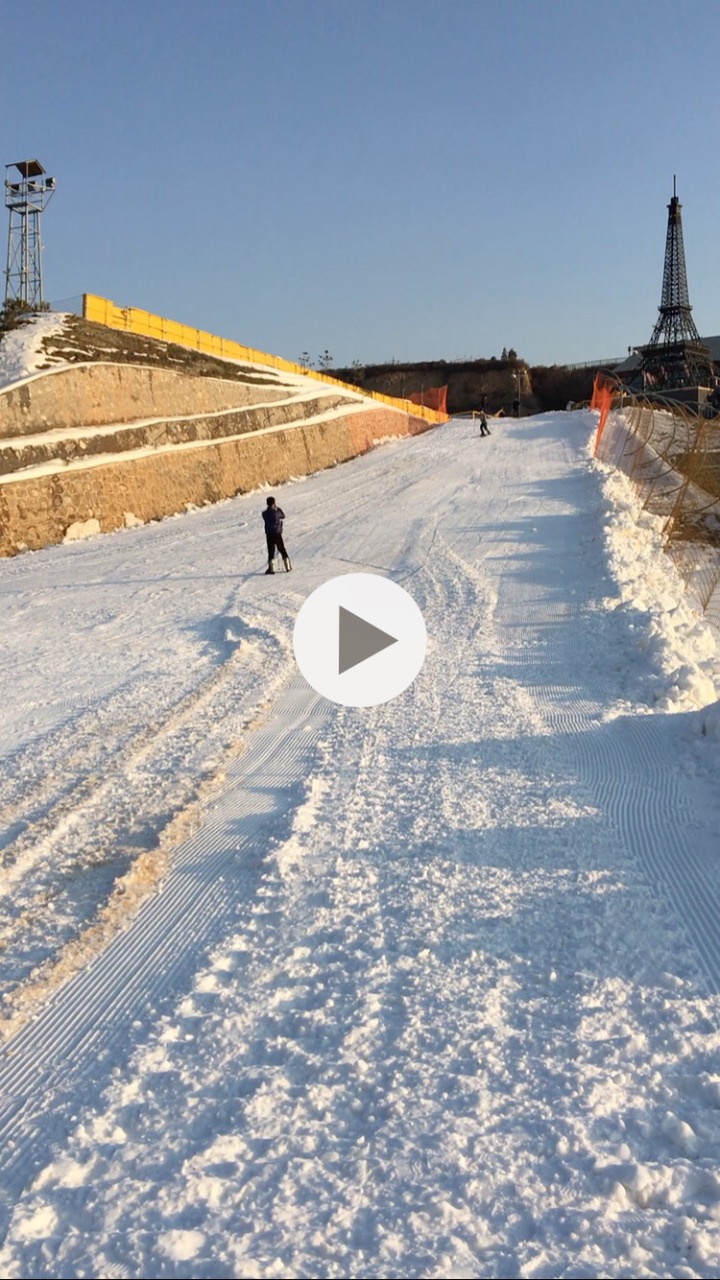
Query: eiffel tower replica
pixel 675 357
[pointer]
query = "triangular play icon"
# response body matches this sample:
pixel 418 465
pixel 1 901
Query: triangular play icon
pixel 359 640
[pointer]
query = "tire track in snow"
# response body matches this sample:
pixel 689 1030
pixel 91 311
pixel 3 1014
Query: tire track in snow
pixel 278 759
pixel 212 876
pixel 75 767
pixel 400 1031
pixel 627 766
pixel 154 780
pixel 647 802
pixel 626 763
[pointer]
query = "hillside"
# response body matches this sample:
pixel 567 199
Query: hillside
pixel 72 340
pixel 471 382
pixel 543 388
pixel 101 429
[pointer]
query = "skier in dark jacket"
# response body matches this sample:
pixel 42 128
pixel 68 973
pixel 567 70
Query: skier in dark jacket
pixel 273 515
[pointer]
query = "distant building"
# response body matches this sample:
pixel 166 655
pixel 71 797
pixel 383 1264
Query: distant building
pixel 634 360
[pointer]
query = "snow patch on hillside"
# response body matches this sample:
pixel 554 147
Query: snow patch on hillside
pixel 21 350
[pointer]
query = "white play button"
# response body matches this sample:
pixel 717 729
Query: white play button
pixel 360 640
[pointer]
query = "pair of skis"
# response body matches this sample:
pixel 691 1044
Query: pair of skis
pixel 271 568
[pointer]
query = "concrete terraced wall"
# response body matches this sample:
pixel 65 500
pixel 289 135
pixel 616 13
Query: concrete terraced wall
pixel 74 445
pixel 38 511
pixel 90 395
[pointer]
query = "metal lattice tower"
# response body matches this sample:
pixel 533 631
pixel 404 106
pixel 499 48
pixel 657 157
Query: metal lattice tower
pixel 27 191
pixel 675 323
pixel 675 355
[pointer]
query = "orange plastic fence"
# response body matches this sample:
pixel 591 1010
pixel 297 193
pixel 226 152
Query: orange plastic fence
pixel 602 398
pixel 431 398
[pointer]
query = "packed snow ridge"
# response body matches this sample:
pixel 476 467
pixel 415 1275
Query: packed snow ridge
pixel 430 989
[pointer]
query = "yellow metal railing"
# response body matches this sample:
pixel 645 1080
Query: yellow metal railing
pixel 134 320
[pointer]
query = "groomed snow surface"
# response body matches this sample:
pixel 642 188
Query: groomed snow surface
pixel 431 989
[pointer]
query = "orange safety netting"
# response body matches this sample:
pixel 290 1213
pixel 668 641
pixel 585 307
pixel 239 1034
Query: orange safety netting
pixel 602 398
pixel 431 398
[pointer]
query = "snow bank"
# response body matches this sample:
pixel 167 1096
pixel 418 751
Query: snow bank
pixel 21 350
pixel 669 631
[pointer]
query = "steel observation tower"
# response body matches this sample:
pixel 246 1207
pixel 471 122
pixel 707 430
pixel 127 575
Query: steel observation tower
pixel 27 191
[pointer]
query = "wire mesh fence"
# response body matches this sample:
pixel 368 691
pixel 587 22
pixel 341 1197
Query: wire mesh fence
pixel 73 304
pixel 672 456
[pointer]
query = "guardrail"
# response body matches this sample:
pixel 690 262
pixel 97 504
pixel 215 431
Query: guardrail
pixel 596 364
pixel 144 323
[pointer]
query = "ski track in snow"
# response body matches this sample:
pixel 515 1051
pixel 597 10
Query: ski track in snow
pixel 431 989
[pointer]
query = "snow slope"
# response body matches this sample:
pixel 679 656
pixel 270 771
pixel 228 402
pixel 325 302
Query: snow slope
pixel 21 350
pixel 430 989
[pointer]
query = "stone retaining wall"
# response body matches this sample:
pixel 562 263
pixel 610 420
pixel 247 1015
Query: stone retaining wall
pixel 21 452
pixel 94 394
pixel 39 511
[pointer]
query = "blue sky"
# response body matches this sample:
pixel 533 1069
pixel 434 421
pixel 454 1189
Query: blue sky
pixel 405 179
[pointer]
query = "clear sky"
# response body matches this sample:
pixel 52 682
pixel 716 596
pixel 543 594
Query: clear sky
pixel 387 179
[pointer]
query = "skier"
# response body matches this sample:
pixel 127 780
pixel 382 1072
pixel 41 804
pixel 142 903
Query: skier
pixel 484 428
pixel 273 517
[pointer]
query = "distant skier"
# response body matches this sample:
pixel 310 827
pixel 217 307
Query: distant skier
pixel 484 428
pixel 273 517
